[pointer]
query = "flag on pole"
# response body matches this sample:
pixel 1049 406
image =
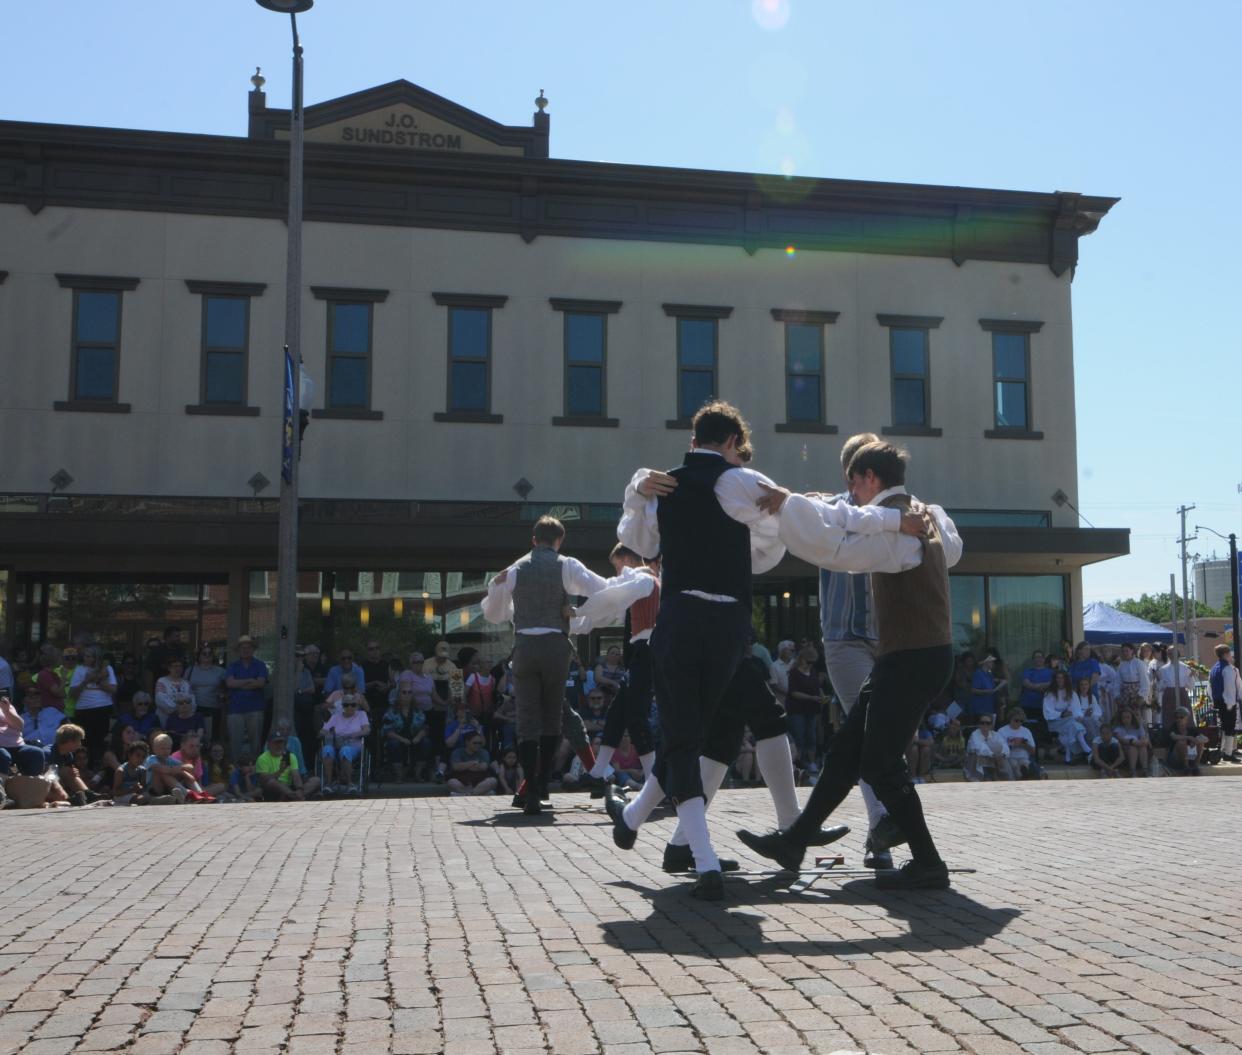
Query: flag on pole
pixel 290 422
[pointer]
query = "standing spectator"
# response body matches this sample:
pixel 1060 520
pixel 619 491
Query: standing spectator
pixel 128 684
pixel 206 680
pixel 13 747
pixel 759 651
pixel 70 656
pixel 780 671
pixel 610 670
pixel 92 689
pixel 986 749
pixel 245 680
pixel 50 688
pixel 1109 686
pixel 963 684
pixel 406 747
pixel 1147 683
pixel 479 690
pixel 1131 675
pixel 161 651
pixel 41 721
pixel 1107 754
pixel 1021 744
pixel 1134 739
pixel 468 769
pixel 985 689
pixel 1085 665
pixel 1186 744
pixel 803 704
pixel 419 683
pixel 279 773
pixel 375 679
pixel 1226 685
pixel 343 735
pixel 1035 681
pixel 171 689
pixel 306 696
pixel 344 665
pixel 184 722
pixel 1063 712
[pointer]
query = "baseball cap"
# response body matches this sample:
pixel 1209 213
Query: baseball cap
pixel 245 639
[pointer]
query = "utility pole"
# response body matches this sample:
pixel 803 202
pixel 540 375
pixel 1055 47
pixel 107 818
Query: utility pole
pixel 1183 510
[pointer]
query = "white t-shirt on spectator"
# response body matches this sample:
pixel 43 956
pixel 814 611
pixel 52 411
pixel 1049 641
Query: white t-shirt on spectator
pixel 93 697
pixel 1020 752
pixel 987 745
pixel 1166 674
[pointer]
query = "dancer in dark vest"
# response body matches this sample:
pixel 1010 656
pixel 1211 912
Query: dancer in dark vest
pixel 535 593
pixel 910 585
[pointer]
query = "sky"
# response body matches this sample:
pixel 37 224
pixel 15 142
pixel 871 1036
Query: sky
pixel 1132 99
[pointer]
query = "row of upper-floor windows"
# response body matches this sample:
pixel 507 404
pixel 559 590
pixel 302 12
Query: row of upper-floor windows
pixel 350 316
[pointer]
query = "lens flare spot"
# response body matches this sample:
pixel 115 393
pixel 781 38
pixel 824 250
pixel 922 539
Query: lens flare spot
pixel 770 14
pixel 791 251
pixel 788 168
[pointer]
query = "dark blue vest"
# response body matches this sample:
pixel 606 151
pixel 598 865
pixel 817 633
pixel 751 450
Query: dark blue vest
pixel 703 548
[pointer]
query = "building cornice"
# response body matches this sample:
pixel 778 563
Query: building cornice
pixel 76 166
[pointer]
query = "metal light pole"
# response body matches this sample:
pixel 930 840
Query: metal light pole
pixel 1235 587
pixel 287 531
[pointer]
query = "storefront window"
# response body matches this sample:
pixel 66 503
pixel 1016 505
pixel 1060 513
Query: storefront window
pixel 969 607
pixel 1027 612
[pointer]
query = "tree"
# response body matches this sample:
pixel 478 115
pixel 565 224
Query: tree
pixel 1155 608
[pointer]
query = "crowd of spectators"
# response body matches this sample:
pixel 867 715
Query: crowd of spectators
pixel 78 727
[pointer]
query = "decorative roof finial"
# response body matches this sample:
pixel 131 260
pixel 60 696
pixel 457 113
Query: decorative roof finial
pixel 258 80
pixel 541 103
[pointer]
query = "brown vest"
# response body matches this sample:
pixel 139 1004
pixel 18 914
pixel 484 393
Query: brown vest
pixel 912 607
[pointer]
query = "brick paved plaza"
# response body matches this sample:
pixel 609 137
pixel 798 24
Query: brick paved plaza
pixel 453 925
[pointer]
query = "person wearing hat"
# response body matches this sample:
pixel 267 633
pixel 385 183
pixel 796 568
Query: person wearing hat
pixel 245 680
pixel 279 771
pixel 534 592
pixel 985 690
pixel 69 658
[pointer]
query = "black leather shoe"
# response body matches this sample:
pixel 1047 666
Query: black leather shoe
pixel 829 835
pixel 518 802
pixel 532 807
pixel 886 834
pixel 681 859
pixel 708 887
pixel 776 846
pixel 881 860
pixel 915 876
pixel 614 802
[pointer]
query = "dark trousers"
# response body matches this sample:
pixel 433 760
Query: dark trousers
pixel 695 650
pixel 871 744
pixel 95 723
pixel 748 701
pixel 1228 719
pixel 540 670
pixel 630 710
pixel 306 721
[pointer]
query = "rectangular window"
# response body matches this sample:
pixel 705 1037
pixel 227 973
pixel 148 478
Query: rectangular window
pixel 1011 380
pixel 469 356
pixel 696 365
pixel 226 340
pixel 804 372
pixel 586 339
pixel 96 344
pixel 349 356
pixel 909 352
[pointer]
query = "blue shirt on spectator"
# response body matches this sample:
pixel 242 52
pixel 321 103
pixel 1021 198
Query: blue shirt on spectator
pixel 1084 668
pixel 1033 700
pixel 979 703
pixel 246 701
pixel 42 729
pixel 332 683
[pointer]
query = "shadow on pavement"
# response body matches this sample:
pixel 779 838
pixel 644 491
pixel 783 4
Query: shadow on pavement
pixel 680 925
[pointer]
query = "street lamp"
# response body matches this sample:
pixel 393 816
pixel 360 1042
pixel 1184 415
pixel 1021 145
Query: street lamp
pixel 295 391
pixel 1235 587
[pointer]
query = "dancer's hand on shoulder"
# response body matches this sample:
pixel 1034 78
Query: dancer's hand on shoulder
pixel 773 498
pixel 499 580
pixel 656 483
pixel 913 524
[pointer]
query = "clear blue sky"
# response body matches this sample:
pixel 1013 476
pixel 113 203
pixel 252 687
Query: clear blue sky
pixel 1132 99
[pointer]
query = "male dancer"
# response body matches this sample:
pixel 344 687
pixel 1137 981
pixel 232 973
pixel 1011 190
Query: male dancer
pixel 910 585
pixel 534 592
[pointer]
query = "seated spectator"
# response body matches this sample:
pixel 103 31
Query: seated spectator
pixel 41 720
pixel 507 772
pixel 628 770
pixel 986 750
pixel 216 774
pixel 129 782
pixel 293 744
pixel 949 751
pixel 12 743
pixel 468 769
pixel 1091 710
pixel 142 716
pixel 167 779
pixel 744 765
pixel 595 711
pixel 279 773
pixel 343 735
pixel 34 786
pixel 1020 741
pixel 406 746
pixel 184 720
pixel 244 781
pixel 1134 740
pixel 63 759
pixel 190 758
pixel 1062 713
pixel 1186 745
pixel 97 781
pixel 332 703
pixel 459 729
pixel 610 671
pixel 504 720
pixel 1107 754
pixel 118 749
pixel 171 689
pixel 919 754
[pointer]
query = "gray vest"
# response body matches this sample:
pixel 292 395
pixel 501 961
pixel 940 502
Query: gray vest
pixel 539 596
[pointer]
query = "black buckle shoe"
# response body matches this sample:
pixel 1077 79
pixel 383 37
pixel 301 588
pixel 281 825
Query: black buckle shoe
pixel 881 860
pixel 708 887
pixel 681 859
pixel 829 835
pixel 776 846
pixel 614 802
pixel 915 876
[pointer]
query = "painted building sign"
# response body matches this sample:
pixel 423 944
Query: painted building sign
pixel 402 127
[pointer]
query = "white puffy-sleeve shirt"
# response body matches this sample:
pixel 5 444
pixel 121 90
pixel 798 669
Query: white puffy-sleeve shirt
pixel 825 534
pixel 577 579
pixel 607 607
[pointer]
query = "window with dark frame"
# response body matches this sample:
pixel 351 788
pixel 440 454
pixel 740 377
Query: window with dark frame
pixel 95 342
pixel 349 356
pixel 697 356
pixel 1011 378
pixel 585 338
pixel 224 362
pixel 469 396
pixel 909 352
pixel 805 389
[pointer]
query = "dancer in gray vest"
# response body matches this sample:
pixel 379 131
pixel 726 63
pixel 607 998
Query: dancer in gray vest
pixel 535 593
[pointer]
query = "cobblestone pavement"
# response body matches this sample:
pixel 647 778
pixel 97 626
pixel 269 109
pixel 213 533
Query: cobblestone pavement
pixel 1101 919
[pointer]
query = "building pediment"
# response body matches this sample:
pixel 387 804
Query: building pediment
pixel 401 116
